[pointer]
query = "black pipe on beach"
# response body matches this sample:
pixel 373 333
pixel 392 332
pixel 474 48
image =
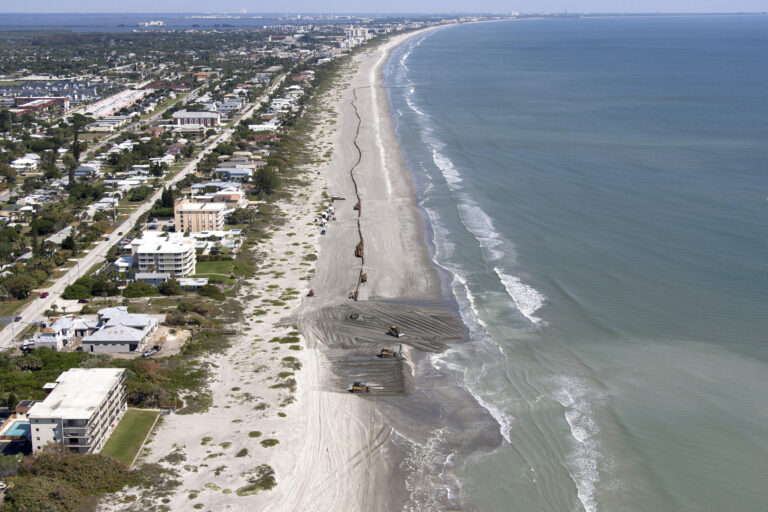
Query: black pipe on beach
pixel 359 248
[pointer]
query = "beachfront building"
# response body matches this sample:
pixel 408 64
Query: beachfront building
pixel 196 119
pixel 60 332
pixel 234 173
pixel 81 410
pixel 194 217
pixel 120 332
pixel 157 252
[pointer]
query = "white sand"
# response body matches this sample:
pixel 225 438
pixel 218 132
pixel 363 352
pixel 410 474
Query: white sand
pixel 333 453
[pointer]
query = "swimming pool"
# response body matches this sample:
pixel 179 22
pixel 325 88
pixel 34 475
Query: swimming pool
pixel 18 429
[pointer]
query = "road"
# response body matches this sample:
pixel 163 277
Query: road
pixel 29 315
pixel 151 119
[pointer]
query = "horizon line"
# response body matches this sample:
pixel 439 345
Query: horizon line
pixel 454 13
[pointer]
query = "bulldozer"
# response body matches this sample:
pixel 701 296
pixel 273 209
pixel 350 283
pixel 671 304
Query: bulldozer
pixel 394 331
pixel 359 387
pixel 387 353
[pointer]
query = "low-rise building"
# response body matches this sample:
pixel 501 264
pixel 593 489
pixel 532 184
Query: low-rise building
pixel 81 410
pixel 191 216
pixel 120 332
pixel 153 278
pixel 207 119
pixel 234 173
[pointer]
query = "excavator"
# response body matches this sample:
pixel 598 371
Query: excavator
pixel 359 387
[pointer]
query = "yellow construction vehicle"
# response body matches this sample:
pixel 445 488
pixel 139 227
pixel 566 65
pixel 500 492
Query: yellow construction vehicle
pixel 387 353
pixel 394 331
pixel 359 387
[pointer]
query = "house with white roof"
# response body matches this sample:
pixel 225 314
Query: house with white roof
pixel 27 162
pixel 120 332
pixel 62 332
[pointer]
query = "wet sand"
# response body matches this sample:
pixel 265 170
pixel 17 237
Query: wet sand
pixel 389 449
pixel 388 457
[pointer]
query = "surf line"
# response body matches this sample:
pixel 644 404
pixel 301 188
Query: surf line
pixel 360 247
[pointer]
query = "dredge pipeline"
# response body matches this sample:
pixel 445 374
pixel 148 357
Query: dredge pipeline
pixel 360 247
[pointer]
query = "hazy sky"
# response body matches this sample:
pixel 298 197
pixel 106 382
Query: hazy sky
pixel 385 6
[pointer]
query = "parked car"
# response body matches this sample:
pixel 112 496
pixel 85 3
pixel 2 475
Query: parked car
pixel 149 352
pixel 84 301
pixel 43 295
pixel 17 319
pixel 322 232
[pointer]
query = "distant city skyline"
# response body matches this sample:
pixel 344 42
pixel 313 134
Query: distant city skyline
pixel 391 6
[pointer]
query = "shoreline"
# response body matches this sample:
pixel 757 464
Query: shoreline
pixel 417 434
pixel 336 450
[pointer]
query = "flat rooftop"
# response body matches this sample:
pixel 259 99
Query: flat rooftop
pixel 78 394
pixel 202 207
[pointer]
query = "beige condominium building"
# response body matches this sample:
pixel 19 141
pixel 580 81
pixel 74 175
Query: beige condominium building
pixel 196 217
pixel 81 411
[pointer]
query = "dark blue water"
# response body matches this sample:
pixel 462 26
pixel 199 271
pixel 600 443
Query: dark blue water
pixel 598 189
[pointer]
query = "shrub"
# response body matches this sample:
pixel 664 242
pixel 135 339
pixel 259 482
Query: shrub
pixel 211 291
pixel 260 479
pixel 268 443
pixel 170 287
pixel 139 289
pixel 56 481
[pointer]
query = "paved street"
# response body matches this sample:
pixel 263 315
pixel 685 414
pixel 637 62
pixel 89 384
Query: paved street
pixel 96 255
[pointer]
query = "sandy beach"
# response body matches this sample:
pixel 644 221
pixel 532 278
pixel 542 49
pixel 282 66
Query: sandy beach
pixel 335 450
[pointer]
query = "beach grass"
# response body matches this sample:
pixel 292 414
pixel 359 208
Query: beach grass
pixel 126 440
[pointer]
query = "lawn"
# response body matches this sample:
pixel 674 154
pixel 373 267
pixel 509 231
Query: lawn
pixel 214 267
pixel 11 306
pixel 128 436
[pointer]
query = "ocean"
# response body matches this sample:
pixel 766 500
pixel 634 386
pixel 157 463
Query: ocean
pixel 596 191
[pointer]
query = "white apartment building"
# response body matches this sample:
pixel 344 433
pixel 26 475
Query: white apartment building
pixel 81 411
pixel 153 253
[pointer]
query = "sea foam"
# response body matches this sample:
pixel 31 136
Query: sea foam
pixel 527 299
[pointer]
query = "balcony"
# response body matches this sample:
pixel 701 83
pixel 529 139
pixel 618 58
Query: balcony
pixel 75 432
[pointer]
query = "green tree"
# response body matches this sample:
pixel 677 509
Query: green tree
pixel 10 401
pixel 78 122
pixel 76 291
pixel 9 173
pixel 139 193
pixel 139 289
pixel 71 164
pixel 267 180
pixel 20 286
pixel 70 244
pixel 166 198
pixel 50 170
pixel 170 287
